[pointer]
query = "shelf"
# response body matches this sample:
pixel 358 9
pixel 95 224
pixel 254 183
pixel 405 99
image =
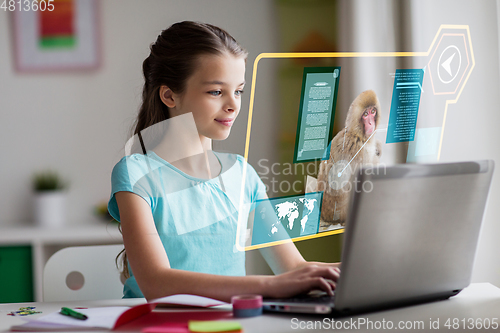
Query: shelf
pixel 103 232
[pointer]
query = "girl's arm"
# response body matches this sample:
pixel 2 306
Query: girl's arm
pixel 285 257
pixel 154 276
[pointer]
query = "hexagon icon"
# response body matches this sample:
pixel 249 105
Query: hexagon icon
pixel 451 61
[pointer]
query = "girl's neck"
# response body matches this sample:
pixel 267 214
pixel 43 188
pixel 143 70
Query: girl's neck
pixel 205 166
pixel 193 156
pixel 183 147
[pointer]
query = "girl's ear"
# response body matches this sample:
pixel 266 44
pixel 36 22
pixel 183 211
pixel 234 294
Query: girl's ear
pixel 167 96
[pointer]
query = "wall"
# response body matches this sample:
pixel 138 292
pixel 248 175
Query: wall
pixel 470 131
pixel 78 122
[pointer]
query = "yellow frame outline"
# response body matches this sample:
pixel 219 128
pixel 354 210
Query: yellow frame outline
pixel 336 55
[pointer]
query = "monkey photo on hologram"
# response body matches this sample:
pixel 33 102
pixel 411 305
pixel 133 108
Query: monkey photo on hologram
pixel 352 147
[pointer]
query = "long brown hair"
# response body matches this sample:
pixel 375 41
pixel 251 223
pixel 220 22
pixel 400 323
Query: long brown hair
pixel 171 62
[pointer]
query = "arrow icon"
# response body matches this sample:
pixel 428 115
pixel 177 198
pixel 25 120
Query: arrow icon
pixel 447 62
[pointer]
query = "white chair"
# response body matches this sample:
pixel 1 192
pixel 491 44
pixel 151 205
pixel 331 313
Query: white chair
pixel 83 273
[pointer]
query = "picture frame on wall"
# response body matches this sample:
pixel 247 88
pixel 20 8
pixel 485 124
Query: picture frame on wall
pixel 61 39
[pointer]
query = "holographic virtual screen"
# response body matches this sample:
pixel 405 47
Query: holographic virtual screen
pixel 414 89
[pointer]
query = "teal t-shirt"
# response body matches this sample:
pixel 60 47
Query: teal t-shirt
pixel 196 219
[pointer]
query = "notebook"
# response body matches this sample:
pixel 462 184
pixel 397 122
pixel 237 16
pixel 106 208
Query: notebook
pixel 410 237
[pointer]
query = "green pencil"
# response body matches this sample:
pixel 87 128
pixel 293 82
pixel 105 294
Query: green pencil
pixel 72 313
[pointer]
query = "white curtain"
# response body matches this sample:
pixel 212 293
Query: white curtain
pixel 374 26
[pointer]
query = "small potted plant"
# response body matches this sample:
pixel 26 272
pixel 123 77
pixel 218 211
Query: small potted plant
pixel 50 198
pixel 101 210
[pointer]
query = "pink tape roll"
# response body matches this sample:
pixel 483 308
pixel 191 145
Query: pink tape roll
pixel 246 301
pixel 247 305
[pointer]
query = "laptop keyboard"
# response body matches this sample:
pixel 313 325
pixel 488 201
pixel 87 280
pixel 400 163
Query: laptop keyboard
pixel 314 298
pixel 322 299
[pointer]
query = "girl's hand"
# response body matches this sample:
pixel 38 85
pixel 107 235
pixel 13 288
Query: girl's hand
pixel 335 265
pixel 307 277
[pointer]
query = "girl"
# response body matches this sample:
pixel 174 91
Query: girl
pixel 174 202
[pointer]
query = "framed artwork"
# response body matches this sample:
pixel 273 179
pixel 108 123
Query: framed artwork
pixel 56 35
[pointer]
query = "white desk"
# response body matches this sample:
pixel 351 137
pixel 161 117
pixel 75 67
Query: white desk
pixel 479 302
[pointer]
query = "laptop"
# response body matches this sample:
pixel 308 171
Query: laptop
pixel 410 237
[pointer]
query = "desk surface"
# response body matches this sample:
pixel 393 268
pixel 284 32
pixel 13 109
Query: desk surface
pixel 95 232
pixel 477 304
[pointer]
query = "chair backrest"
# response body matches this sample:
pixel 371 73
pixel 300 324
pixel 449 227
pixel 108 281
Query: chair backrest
pixel 83 273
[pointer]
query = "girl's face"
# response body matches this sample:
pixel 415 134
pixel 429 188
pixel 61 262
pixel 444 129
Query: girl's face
pixel 213 95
